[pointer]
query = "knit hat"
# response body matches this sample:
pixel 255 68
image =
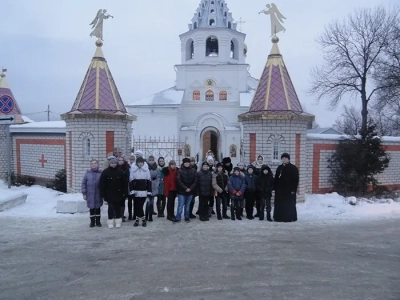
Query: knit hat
pixel 285 155
pixel 172 162
pixel 138 153
pixel 204 163
pixel 112 159
pixel 236 169
pixel 186 160
pixel 241 163
pixel 250 167
pixel 226 160
pixel 139 160
pixel 219 165
pixel 210 158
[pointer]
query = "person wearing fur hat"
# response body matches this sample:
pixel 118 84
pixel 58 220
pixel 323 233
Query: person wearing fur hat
pixel 90 189
pixel 113 187
pixel 155 183
pixel 286 183
pixel 170 188
pixel 265 187
pixel 140 186
pixel 250 180
pixel 237 187
pixel 186 184
pixel 220 185
pixel 205 191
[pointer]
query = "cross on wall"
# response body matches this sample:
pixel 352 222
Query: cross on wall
pixel 43 161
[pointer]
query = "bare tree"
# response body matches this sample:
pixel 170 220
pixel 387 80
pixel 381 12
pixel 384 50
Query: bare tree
pixel 349 122
pixel 352 52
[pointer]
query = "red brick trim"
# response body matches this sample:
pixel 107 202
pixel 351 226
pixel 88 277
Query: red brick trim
pixel 392 148
pixel 253 147
pixel 19 142
pixel 109 142
pixel 317 148
pixel 70 159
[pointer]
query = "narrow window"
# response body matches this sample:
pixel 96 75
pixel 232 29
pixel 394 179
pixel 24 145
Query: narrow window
pixel 223 95
pixel 275 150
pixel 209 95
pixel 196 95
pixel 86 147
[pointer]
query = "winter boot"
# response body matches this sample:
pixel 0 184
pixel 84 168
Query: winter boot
pixel 210 212
pixel 146 213
pixel 219 217
pixel 118 223
pixel 144 224
pixel 122 210
pixel 269 214
pixel 232 213
pixel 150 217
pixel 136 224
pixel 110 223
pixel 239 213
pixel 92 222
pixel 98 224
pixel 261 215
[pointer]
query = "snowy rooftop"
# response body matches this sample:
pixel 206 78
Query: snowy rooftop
pixel 324 130
pixel 170 96
pixel 45 126
pixel 338 137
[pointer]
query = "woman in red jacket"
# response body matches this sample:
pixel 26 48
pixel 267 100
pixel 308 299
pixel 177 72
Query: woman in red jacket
pixel 170 190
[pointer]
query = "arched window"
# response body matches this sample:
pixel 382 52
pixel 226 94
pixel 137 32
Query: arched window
pixel 212 2
pixel 229 25
pixel 199 14
pixel 212 22
pixel 275 150
pixel 195 25
pixel 222 5
pixel 225 14
pixel 234 49
pixel 209 95
pixel 212 46
pixel 223 95
pixel 212 11
pixel 189 49
pixel 196 95
pixel 86 147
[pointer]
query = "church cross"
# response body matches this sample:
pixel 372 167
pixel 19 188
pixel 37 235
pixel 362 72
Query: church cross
pixel 43 161
pixel 240 22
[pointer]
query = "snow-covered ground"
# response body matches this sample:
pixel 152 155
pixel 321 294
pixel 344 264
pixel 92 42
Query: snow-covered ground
pixel 41 203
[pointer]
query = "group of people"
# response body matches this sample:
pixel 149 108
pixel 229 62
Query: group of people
pixel 218 186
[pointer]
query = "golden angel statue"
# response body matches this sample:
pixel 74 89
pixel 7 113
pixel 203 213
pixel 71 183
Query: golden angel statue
pixel 98 23
pixel 276 18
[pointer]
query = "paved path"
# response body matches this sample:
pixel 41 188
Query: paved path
pixel 62 258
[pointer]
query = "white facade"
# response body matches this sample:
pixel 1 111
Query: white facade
pixel 213 86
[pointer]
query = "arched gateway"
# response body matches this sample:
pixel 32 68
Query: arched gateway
pixel 210 140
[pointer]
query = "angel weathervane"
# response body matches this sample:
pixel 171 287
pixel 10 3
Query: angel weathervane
pixel 276 18
pixel 98 23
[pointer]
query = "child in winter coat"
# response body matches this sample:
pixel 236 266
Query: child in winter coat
pixel 123 164
pixel 265 186
pixel 155 182
pixel 236 186
pixel 220 185
pixel 161 199
pixel 112 189
pixel 90 189
pixel 140 187
pixel 170 188
pixel 250 180
pixel 205 191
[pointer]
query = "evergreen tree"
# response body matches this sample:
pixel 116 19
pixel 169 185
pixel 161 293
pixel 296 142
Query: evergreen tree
pixel 356 162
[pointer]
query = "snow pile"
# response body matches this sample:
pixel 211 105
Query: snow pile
pixel 40 203
pixel 334 206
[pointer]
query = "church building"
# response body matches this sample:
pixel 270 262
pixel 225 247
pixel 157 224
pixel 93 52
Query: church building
pixel 213 86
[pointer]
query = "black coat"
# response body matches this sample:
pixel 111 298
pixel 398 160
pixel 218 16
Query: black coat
pixel 186 178
pixel 113 185
pixel 204 183
pixel 286 183
pixel 265 183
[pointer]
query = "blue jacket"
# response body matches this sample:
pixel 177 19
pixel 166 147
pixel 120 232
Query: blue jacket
pixel 236 184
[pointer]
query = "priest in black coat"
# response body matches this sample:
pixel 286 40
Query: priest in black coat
pixel 286 182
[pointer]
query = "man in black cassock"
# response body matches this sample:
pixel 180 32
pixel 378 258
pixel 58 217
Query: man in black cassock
pixel 286 182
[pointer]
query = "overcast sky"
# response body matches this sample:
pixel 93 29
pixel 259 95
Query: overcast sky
pixel 46 47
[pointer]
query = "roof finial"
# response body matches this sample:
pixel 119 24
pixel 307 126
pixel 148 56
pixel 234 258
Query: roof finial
pixel 3 72
pixel 240 22
pixel 98 24
pixel 276 18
